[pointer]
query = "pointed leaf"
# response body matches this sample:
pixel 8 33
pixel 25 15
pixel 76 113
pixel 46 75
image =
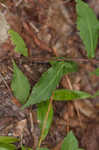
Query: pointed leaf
pixel 88 25
pixel 42 110
pixel 66 95
pixel 20 85
pixel 5 146
pixel 18 42
pixel 45 86
pixel 70 142
pixel 48 82
pixel 8 139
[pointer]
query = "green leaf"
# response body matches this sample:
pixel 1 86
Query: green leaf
pixel 96 72
pixel 53 62
pixel 18 42
pixel 25 148
pixel 48 82
pixel 5 146
pixel 88 25
pixel 8 139
pixel 66 95
pixel 96 94
pixel 42 149
pixel 45 86
pixel 70 142
pixel 20 85
pixel 69 66
pixel 42 110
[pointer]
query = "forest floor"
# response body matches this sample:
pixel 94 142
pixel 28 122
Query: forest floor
pixel 48 28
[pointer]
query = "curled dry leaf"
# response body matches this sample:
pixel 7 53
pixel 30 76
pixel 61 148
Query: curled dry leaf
pixel 86 108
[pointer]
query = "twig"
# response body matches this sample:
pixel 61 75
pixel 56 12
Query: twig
pixel 82 60
pixel 18 3
pixel 38 42
pixel 3 5
pixel 34 27
pixel 45 121
pixel 31 122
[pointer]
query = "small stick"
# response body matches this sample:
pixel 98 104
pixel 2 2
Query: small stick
pixel 35 59
pixel 3 5
pixel 34 27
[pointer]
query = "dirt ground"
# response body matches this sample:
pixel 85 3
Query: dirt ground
pixel 48 28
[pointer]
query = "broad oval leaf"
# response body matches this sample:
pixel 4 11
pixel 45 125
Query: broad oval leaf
pixel 70 142
pixel 48 82
pixel 18 42
pixel 8 139
pixel 20 85
pixel 42 110
pixel 66 95
pixel 88 25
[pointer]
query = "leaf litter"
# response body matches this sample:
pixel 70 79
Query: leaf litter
pixel 68 45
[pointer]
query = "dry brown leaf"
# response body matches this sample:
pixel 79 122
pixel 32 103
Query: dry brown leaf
pixel 21 126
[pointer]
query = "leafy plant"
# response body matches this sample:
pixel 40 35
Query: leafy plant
pixel 88 25
pixel 48 82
